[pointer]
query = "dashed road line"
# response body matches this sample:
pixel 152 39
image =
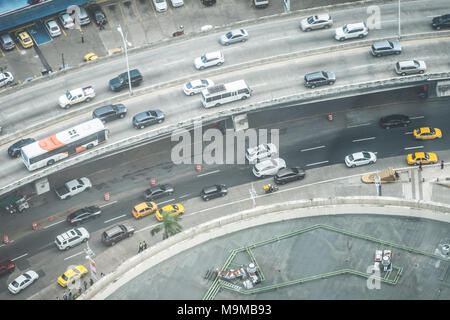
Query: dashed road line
pixel 359 125
pixel 54 224
pixel 166 201
pixel 107 204
pixel 185 195
pixel 316 163
pixel 19 257
pixel 74 255
pixel 409 132
pixel 364 139
pixel 418 117
pixel 124 215
pixel 418 147
pixel 205 174
pixel 309 149
pixel 280 38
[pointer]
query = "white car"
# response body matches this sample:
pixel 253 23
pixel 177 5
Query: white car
pixel 320 21
pixel 264 150
pixel 160 5
pixel 71 238
pixel 6 78
pixel 209 59
pixel 269 167
pixel 360 159
pixel 350 31
pixel 196 86
pixel 23 281
pixel 52 27
pixel 410 67
pixel 177 3
pixel 66 20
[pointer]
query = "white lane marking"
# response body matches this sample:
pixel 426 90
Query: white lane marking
pixel 146 228
pixel 359 125
pixel 169 63
pixel 107 204
pixel 10 241
pixel 19 257
pixel 319 147
pixel 409 132
pixel 166 201
pixel 364 139
pixel 115 218
pixel 205 174
pixel 418 147
pixel 74 255
pixel 283 38
pixel 185 196
pixel 418 117
pixel 54 224
pixel 313 164
pixel 395 20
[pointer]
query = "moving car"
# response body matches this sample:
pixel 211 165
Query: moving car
pixel 427 133
pixel 385 48
pixel 6 78
pixel 264 150
pixel 117 233
pixel 421 157
pixel 441 22
pixel 71 238
pixel 7 266
pixel 196 86
pixel 394 120
pixel 320 78
pixel 259 3
pixel 52 27
pixel 7 42
pixel 233 36
pixel 351 31
pixel 160 5
pixel 319 21
pixel 66 20
pixel 144 209
pixel 268 167
pixel 110 112
pixel 121 81
pixel 289 174
pixel 91 56
pixel 14 149
pixel 360 158
pixel 147 118
pixel 71 275
pixel 214 191
pixel 72 97
pixel 410 67
pixel 158 191
pixel 171 209
pixel 24 39
pixel 209 59
pixel 23 281
pixel 84 214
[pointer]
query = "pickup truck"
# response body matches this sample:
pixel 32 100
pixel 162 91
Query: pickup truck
pixel 73 187
pixel 76 96
pixel 261 3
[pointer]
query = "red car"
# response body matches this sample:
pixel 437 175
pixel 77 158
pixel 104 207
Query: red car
pixel 6 267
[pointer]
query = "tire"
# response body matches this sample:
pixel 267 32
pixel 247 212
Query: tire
pixel 202 67
pixel 86 239
pixel 308 29
pixel 141 126
pixel 121 116
pixel 223 195
pixel 227 43
pixel 398 52
pixel 243 40
pixel 160 121
pixel 331 82
pixel 341 39
pixel 312 86
pixel 113 243
pixel 90 146
pixel 421 71
pixel 353 166
pixel 327 26
pixel 88 188
pixel 438 28
pixel 220 63
pixel 191 94
pixel 206 199
pixel 403 74
pixel 361 36
pixel 130 234
pixel 371 162
pixel 67 248
pixel 68 197
pixel 244 98
pixel 88 99
pixel 50 162
pixel 217 105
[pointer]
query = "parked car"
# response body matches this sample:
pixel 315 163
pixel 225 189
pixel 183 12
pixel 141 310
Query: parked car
pixel 427 133
pixel 320 78
pixel 147 118
pixel 117 233
pixel 97 14
pixel 385 48
pixel 441 22
pixel 196 86
pixel 66 20
pixel 91 56
pixel 233 36
pixel 260 4
pixel 14 149
pixel 7 266
pixel 260 152
pixel 394 120
pixel 177 3
pixel 23 281
pixel 410 67
pixel 6 78
pixel 171 209
pixel 214 191
pixel 121 81
pixel 25 40
pixel 110 112
pixel 421 157
pixel 144 209
pixel 7 42
pixel 360 158
pixel 319 21
pixel 71 275
pixel 289 174
pixel 351 31
pixel 208 3
pixel 83 214
pixel 209 59
pixel 71 238
pixel 160 5
pixel 268 167
pixel 84 17
pixel 159 191
pixel 52 27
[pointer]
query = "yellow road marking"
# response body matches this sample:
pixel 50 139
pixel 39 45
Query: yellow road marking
pixel 153 8
pixel 3 54
pixel 123 15
pixel 137 11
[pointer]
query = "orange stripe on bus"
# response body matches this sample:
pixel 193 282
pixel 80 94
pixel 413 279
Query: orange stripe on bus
pixel 50 143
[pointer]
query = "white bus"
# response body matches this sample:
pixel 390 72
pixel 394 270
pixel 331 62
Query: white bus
pixel 63 144
pixel 223 93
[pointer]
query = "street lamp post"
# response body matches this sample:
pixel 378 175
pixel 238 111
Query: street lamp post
pixel 399 22
pixel 125 44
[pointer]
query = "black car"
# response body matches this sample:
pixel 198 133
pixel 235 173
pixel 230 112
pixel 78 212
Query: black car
pixel 14 150
pixel 209 2
pixel 214 191
pixel 98 14
pixel 394 120
pixel 158 191
pixel 385 48
pixel 110 112
pixel 113 235
pixel 441 22
pixel 84 214
pixel 321 78
pixel 121 81
pixel 289 174
pixel 147 118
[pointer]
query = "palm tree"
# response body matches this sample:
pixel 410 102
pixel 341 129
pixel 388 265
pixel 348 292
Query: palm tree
pixel 169 224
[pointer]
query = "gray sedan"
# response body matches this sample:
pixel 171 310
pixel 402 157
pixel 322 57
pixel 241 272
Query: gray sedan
pixel 385 48
pixel 237 35
pixel 320 21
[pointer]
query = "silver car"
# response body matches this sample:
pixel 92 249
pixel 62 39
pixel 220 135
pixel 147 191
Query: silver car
pixel 320 21
pixel 196 86
pixel 410 67
pixel 236 35
pixel 264 150
pixel 66 20
pixel 160 5
pixel 23 281
pixel 52 27
pixel 268 167
pixel 360 159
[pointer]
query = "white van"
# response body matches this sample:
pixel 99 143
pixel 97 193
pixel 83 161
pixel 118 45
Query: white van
pixel 223 93
pixel 71 238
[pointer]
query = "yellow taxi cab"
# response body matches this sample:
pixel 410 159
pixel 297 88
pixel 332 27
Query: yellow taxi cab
pixel 25 39
pixel 422 157
pixel 426 133
pixel 72 275
pixel 172 209
pixel 90 57
pixel 144 209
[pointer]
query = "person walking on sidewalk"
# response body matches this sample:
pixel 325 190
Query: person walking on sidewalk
pixel 65 295
pixel 85 285
pixel 442 164
pixel 420 165
pixel 140 247
pixel 91 282
pixel 144 245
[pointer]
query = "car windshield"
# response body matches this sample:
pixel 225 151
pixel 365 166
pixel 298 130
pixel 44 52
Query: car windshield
pixel 64 277
pixel 310 20
pixel 229 35
pixel 366 155
pixel 68 95
pixel 350 157
pixel 427 156
pixel 15 284
pixel 189 85
pixel 204 58
pixel 345 29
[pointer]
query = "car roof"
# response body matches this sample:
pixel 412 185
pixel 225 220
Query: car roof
pixel 210 189
pixel 356 25
pixel 314 75
pixel 322 16
pixel 214 54
pixel 114 230
pixel 407 63
pixel 382 44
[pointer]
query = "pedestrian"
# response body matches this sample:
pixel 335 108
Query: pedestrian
pixel 57 298
pixel 65 295
pixel 91 282
pixel 100 23
pixel 442 164
pixel 420 165
pixel 145 245
pixel 85 285
pixel 397 175
pixel 140 247
pixel 102 274
pixel 70 295
pixel 79 291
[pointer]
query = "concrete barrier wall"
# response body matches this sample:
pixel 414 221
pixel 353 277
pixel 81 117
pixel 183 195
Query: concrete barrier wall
pixel 258 216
